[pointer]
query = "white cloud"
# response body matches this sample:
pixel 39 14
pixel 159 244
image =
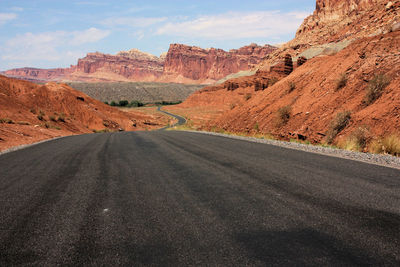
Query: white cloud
pixel 91 35
pixel 236 25
pixel 49 46
pixel 139 22
pixel 139 35
pixel 6 17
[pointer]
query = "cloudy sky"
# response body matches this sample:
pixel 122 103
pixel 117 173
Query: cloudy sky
pixel 55 33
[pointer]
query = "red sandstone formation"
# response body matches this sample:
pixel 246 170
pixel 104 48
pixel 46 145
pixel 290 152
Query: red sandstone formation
pixel 125 66
pixel 38 75
pixel 336 20
pixel 250 104
pixel 182 64
pixel 188 63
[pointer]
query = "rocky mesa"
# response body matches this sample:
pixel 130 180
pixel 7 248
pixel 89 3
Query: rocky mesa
pixel 182 64
pixel 193 64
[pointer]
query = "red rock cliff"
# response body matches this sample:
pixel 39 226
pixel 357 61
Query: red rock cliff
pixel 336 20
pixel 183 63
pixel 39 75
pixel 130 65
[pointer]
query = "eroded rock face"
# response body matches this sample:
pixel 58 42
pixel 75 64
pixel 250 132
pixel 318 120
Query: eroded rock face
pixel 285 67
pixel 336 20
pixel 183 64
pixel 301 61
pixel 38 75
pixel 212 64
pixel 132 66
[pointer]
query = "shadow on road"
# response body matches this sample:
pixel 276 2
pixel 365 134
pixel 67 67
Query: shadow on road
pixel 304 247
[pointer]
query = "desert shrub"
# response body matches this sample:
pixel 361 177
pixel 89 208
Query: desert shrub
pixel 113 103
pixel 52 118
pixel 33 111
pixel 232 106
pixel 47 125
pixel 123 103
pixel 106 102
pixel 375 88
pixel 283 115
pixel 340 122
pixel 341 81
pixel 102 130
pixel 23 123
pixel 6 120
pixel 41 115
pixel 256 127
pixel 386 145
pixel 136 103
pixel 167 103
pixel 291 87
pixel 61 117
pixel 247 96
pixel 272 81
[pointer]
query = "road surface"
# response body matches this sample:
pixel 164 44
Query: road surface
pixel 181 120
pixel 176 198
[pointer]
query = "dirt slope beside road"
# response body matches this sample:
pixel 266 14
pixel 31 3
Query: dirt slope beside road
pixel 31 112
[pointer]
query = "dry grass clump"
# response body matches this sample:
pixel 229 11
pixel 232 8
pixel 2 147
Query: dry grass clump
pixel 291 87
pixel 256 127
pixel 6 120
pixel 61 117
pixel 272 81
pixel 340 122
pixel 341 81
pixel 23 123
pixel 41 115
pixel 247 96
pixel 357 141
pixel 387 145
pixel 375 88
pixel 283 115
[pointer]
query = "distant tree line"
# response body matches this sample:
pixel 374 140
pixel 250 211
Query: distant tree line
pixel 125 103
pixel 166 103
pixel 135 103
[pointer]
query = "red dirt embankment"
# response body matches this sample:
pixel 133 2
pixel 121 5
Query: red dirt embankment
pixel 31 112
pixel 315 98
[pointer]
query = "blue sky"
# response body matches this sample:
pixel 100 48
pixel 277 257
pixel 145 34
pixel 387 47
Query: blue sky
pixel 55 33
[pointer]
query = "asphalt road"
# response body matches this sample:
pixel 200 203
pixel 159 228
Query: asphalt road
pixel 174 198
pixel 181 120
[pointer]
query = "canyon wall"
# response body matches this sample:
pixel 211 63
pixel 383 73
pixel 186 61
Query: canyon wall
pixel 329 68
pixel 182 64
pixel 337 20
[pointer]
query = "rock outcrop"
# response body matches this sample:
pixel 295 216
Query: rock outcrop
pixel 131 66
pixel 336 20
pixel 38 75
pixel 184 63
